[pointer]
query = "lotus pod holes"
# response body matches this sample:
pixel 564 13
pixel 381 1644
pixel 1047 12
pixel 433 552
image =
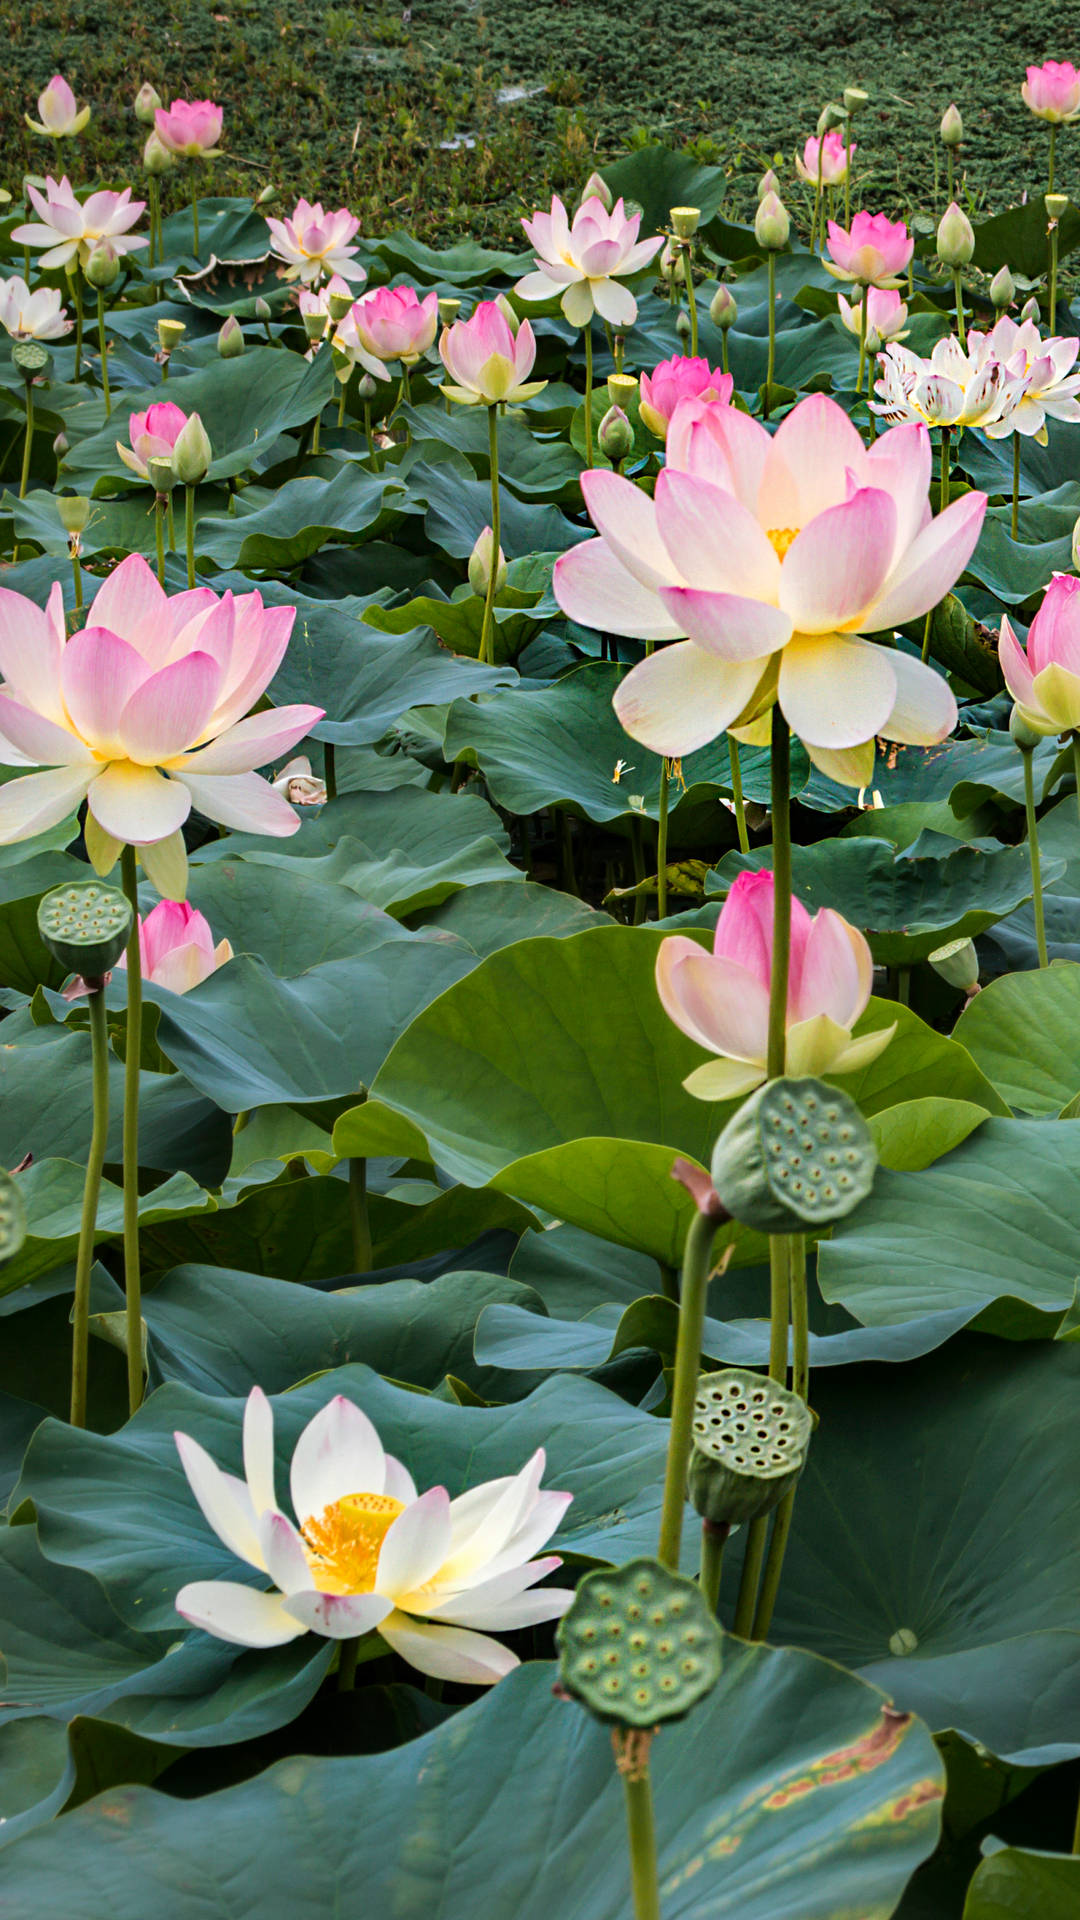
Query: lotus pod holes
pixel 12 1217
pixel 750 1437
pixel 85 927
pixel 797 1154
pixel 638 1645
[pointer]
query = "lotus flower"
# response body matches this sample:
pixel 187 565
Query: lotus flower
pixel 1052 91
pixel 141 712
pixel 830 155
pixel 1045 681
pixel 70 229
pixel 177 947
pixel 680 378
pixel 1044 369
pixel 300 784
pixel 586 261
pixel 190 129
pixel 31 316
pixel 951 389
pixel 391 323
pixel 314 243
pixel 886 316
pixel 486 361
pixel 61 117
pixel 153 436
pixel 721 999
pixel 874 252
pixel 370 1554
pixel 766 557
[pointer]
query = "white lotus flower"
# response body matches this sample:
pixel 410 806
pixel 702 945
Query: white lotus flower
pixel 951 389
pixel 370 1554
pixel 1044 370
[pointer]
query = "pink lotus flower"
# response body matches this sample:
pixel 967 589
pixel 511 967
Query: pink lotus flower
pixel 585 261
pixel 485 359
pixel 391 323
pixel 1045 681
pixel 141 713
pixel 721 999
pixel 765 557
pixel 680 378
pixel 886 316
pixel 874 252
pixel 830 155
pixel 1052 91
pixel 68 228
pixel 190 129
pixel 177 947
pixel 314 243
pixel 31 316
pixel 1043 369
pixel 61 116
pixel 153 436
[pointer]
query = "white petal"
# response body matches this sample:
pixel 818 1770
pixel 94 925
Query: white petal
pixel 339 1616
pixel 224 1500
pixel 448 1653
pixel 283 1550
pixel 836 692
pixel 681 698
pixel 592 586
pixel 339 1452
pixel 259 1451
pixel 240 1614
pixel 416 1545
pixel 399 1483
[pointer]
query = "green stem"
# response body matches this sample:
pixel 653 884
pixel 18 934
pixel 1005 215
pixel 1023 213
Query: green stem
pixel 159 536
pixel 341 403
pixel 80 1346
pixel 661 841
pixel 77 572
pixel 346 1673
pixel 771 362
pixel 847 173
pixel 724 368
pixel 77 303
pixel 172 525
pixel 189 533
pixel 714 1534
pixel 800 1381
pixel 104 352
pixel 359 1221
pixel 774 1564
pixel 756 1536
pixel 819 204
pixel 800 1321
pixel 1053 273
pixel 588 392
pixel 958 290
pixel 637 848
pixel 1016 486
pixel 641 1835
pixel 1053 143
pixel 691 298
pixel 487 637
pixel 781 840
pixel 737 794
pixel 695 1286
pixel 330 769
pixel 1076 1832
pixel 316 433
pixel 862 339
pixel 155 219
pixel 779 1305
pixel 132 1280
pixel 24 477
pixel 1033 852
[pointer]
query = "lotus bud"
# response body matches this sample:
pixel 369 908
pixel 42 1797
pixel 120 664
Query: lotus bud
pixel 797 1152
pixel 267 196
pixel 448 311
pixel 615 436
pixel 147 103
pixel 366 387
pixel 74 512
pixel 230 340
pixel 162 477
pixel 955 237
pixel 684 222
pixel 638 1646
pixel 170 333
pixel 156 156
pixel 262 309
pixel 952 126
pixel 61 445
pixel 1030 310
pixel 767 184
pixel 831 115
pixel 513 320
pixel 622 389
pixel 1023 736
pixel 314 325
pixel 671 263
pixel 1076 547
pixel 772 224
pixel 85 927
pixel 723 308
pixel 1002 290
pixel 682 327
pixel 480 560
pixel 597 188
pixel 750 1439
pixel 338 305
pixel 855 99
pixel 1056 205
pixel 103 265
pixel 192 452
pixel 958 963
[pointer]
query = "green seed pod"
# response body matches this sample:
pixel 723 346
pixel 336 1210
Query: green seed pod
pixel 638 1645
pixel 958 963
pixel 31 358
pixel 339 304
pixel 73 510
pixel 12 1217
pixel 797 1154
pixel 684 221
pixel 85 927
pixel 448 311
pixel 750 1442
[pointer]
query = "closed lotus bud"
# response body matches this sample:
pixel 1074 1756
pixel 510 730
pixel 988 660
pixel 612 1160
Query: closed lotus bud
pixel 723 309
pixel 338 305
pixel 314 325
pixel 192 452
pixel 671 263
pixel 162 477
pixel 855 99
pixel 958 963
pixel 772 224
pixel 366 387
pixel 622 389
pixel 767 184
pixel 74 511
pixel 103 266
pixel 952 127
pixel 682 327
pixel 448 311
pixel 1023 735
pixel 230 340
pixel 616 435
pixel 1002 289
pixel 267 196
pixel 955 237
pixel 480 560
pixel 831 115
pixel 147 103
pixel 596 188
pixel 1030 310
pixel 262 308
pixel 61 445
pixel 1056 204
pixel 684 221
pixel 170 333
pixel 749 1443
pixel 156 156
pixel 513 320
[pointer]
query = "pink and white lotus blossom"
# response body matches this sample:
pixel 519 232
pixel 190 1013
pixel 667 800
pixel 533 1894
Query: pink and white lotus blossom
pixel 951 389
pixel 587 260
pixel 680 378
pixel 721 999
pixel 830 154
pixel 765 558
pixel 1045 681
pixel 1052 92
pixel 314 244
pixel 190 129
pixel 486 361
pixel 142 712
pixel 886 316
pixel 1044 369
pixel 369 1554
pixel 177 947
pixel 390 323
pixel 153 436
pixel 874 252
pixel 32 316
pixel 61 116
pixel 68 228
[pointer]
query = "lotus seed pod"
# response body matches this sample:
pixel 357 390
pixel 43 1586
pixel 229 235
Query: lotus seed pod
pixel 1030 310
pixel 230 340
pixel 147 104
pixel 622 389
pixel 85 927
pixel 161 475
pixel 338 305
pixel 684 221
pixel 448 311
pixel 1002 290
pixel 12 1217
pixel 31 357
pixel 1057 205
pixel 952 126
pixel 797 1154
pixel 955 237
pixel 723 308
pixel 638 1645
pixel 831 115
pixel 314 325
pixel 596 188
pixel 1024 736
pixel 103 265
pixel 74 512
pixel 156 157
pixel 772 223
pixel 170 333
pixel 616 435
pixel 958 963
pixel 671 263
pixel 192 452
pixel 855 98
pixel 505 306
pixel 750 1438
pixel 480 565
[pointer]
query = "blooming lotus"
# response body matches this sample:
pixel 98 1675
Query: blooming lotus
pixel 190 129
pixel 369 1553
pixel 177 947
pixel 391 323
pixel 153 436
pixel 874 252
pixel 1045 681
pixel 69 229
pixel 1052 91
pixel 765 558
pixel 586 261
pixel 830 155
pixel 721 999
pixel 486 362
pixel 141 713
pixel 1048 386
pixel 886 316
pixel 61 116
pixel 31 316
pixel 951 389
pixel 314 244
pixel 680 378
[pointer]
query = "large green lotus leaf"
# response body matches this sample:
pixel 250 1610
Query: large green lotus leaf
pixel 286 916
pixel 496 913
pixel 1012 944
pixel 915 1133
pixel 532 468
pixel 25 961
pixel 52 1193
pixel 1013 1883
pixel 990 768
pixel 918 1064
pixel 458 508
pixel 574 1273
pixel 119 525
pixel 622 1190
pixel 465 264
pixel 994 1220
pixel 1017 238
pixel 458 620
pixel 284 528
pixel 18 1418
pixel 815 1801
pixel 1024 1032
pixel 658 178
pixel 37 1773
pixel 1012 570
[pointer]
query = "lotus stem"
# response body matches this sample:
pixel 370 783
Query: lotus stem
pixel 661 840
pixel 487 638
pixel 691 299
pixel 1016 487
pixel 132 1279
pixel 172 525
pixel 359 1221
pixel 1053 273
pixel 640 876
pixel 587 330
pixel 737 794
pixel 714 1535
pixel 77 303
pixel 951 174
pixel 1027 756
pixel 774 1564
pixel 770 365
pixel 800 1322
pixel 756 1536
pixel 104 352
pixel 958 290
pixel 695 1286
pixel 316 433
pixel 370 438
pixel 189 533
pixel 862 340
pixel 847 173
pixel 80 1338
pixel 1050 169
pixel 155 219
pixel 641 1835
pixel 77 573
pixel 1076 1832
pixel 346 1673
pixel 24 477
pixel 159 536
pixel 818 202
pixel 1076 764
pixel 781 841
pixel 724 368
pixel 341 404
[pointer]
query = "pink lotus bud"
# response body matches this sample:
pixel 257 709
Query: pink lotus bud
pixel 874 252
pixel 1002 289
pixel 192 453
pixel 680 379
pixel 1052 91
pixel 147 102
pixel 103 265
pixel 61 445
pixel 486 361
pixel 177 948
pixel 153 435
pixel 772 224
pixel 952 126
pixel 506 308
pixel 615 436
pixel 156 158
pixel 886 316
pixel 480 562
pixel 390 323
pixel 828 154
pixel 955 237
pixel 596 188
pixel 723 308
pixel 191 129
pixel 769 183
pixel 230 340
pixel 1076 547
pixel 301 787
pixel 1030 310
pixel 1045 681
pixel 61 117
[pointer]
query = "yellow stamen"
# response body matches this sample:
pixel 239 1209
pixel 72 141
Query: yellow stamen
pixel 344 1540
pixel 781 539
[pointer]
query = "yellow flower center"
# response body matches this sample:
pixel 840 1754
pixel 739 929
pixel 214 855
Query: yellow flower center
pixel 344 1540
pixel 781 539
